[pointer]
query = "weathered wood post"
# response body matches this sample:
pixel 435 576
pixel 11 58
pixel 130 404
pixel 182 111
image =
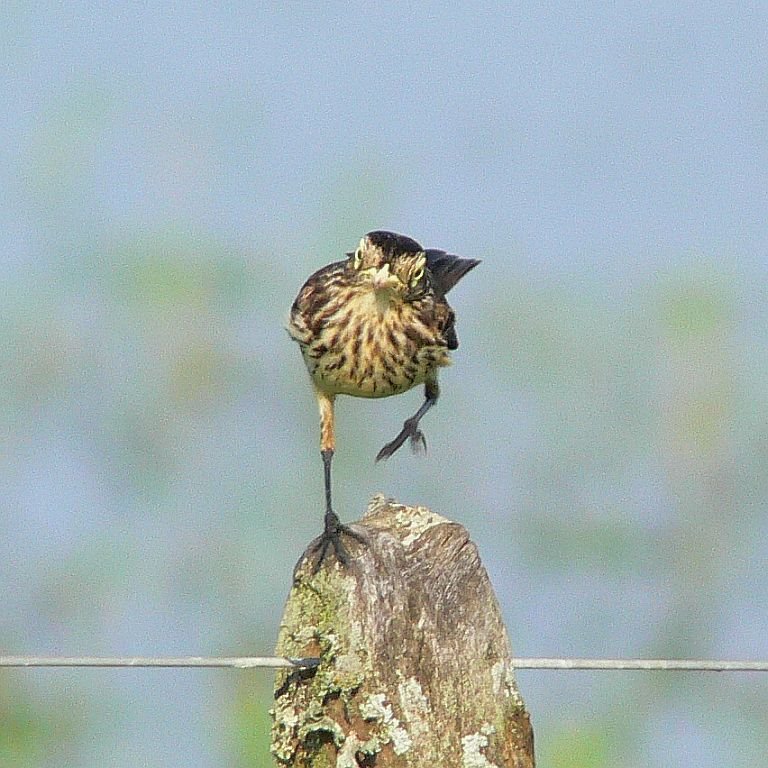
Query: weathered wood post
pixel 415 667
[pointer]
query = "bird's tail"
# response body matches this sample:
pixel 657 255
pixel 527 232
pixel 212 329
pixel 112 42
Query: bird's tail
pixel 448 269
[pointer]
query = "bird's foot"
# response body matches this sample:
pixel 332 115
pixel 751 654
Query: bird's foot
pixel 410 431
pixel 330 539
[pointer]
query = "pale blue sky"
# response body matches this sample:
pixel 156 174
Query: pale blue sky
pixel 590 136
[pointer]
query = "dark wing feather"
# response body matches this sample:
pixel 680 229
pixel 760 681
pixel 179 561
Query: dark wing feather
pixel 451 339
pixel 447 269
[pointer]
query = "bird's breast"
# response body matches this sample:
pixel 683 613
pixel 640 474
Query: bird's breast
pixel 369 350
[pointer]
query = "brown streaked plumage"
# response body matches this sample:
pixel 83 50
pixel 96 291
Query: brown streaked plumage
pixel 375 325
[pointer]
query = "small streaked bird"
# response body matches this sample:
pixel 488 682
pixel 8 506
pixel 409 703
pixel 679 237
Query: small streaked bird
pixel 375 325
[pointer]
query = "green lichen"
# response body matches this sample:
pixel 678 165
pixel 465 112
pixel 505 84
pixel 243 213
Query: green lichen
pixel 472 747
pixel 316 618
pixel 375 709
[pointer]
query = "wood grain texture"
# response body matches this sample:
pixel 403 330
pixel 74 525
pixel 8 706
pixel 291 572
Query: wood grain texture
pixel 415 660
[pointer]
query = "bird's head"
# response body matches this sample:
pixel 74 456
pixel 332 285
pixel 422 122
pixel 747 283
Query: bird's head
pixel 393 265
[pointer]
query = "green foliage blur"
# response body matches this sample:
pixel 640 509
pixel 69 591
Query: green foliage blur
pixel 643 474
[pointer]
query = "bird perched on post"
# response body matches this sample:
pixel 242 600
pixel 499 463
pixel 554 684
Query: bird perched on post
pixel 375 325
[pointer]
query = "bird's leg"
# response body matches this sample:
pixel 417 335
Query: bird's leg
pixel 410 430
pixel 327 455
pixel 333 528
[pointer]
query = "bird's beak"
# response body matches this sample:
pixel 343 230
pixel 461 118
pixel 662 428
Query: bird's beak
pixel 384 280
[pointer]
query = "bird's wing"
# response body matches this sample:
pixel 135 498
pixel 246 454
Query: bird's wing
pixel 308 305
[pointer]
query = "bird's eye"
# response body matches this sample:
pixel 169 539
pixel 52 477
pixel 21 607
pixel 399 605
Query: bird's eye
pixel 416 277
pixel 357 258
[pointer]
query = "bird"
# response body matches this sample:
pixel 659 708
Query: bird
pixel 374 325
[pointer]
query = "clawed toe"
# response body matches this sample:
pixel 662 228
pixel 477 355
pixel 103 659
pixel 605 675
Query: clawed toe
pixel 410 431
pixel 331 539
pixel 387 450
pixel 418 442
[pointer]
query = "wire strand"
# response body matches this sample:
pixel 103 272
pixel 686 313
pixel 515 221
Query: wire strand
pixel 279 662
pixel 233 662
pixel 663 665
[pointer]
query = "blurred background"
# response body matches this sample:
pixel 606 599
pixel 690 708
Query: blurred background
pixel 171 173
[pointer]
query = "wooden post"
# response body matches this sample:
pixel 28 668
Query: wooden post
pixel 415 664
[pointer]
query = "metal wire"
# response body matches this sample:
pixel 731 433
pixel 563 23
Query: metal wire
pixel 277 662
pixel 233 662
pixel 666 665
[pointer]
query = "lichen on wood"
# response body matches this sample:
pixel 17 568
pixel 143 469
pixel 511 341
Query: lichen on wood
pixel 415 661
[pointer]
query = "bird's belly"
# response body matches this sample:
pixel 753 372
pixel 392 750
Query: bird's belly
pixel 372 361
